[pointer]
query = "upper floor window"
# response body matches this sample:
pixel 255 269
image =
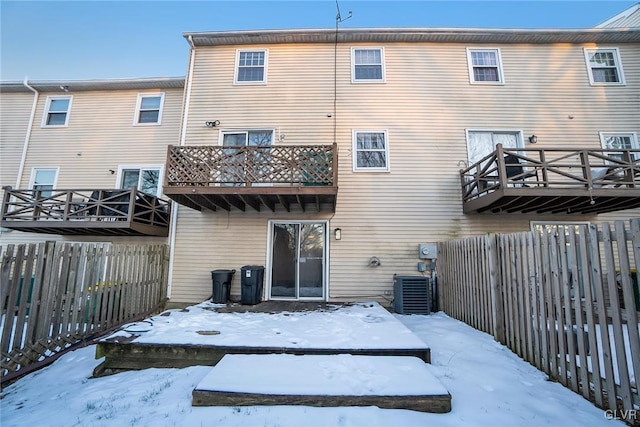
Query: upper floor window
pixel 251 66
pixel 44 179
pixel 144 178
pixel 56 111
pixel 485 66
pixel 370 151
pixel 367 65
pixel 604 66
pixel 619 141
pixel 149 109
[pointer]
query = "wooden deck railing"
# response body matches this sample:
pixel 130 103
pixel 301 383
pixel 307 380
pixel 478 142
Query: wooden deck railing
pixel 83 205
pixel 552 168
pixel 276 165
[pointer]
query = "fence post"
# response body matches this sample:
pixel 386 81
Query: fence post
pixel 497 303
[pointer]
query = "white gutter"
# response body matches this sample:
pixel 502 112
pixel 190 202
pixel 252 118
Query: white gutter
pixel 183 136
pixel 27 137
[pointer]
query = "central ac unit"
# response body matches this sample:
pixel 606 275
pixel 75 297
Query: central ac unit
pixel 411 294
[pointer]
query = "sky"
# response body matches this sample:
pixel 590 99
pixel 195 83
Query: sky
pixel 101 39
pixel 505 391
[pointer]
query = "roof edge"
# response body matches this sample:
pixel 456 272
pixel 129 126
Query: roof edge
pixel 94 84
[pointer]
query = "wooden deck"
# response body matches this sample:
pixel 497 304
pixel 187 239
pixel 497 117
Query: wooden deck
pixel 323 381
pixel 130 353
pixel 556 181
pixel 104 212
pixel 225 178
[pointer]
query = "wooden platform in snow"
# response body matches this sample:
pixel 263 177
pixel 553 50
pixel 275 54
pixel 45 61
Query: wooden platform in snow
pixel 204 334
pixel 390 382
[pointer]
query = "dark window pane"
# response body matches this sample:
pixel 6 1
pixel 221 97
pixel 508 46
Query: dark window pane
pixel 251 74
pixel 56 119
pixel 149 116
pixel 371 159
pixel 368 72
pixel 485 74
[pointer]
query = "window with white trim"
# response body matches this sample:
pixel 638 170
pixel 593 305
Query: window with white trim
pixel 370 151
pixel 367 65
pixel 604 66
pixel 251 66
pixel 481 143
pixel 149 109
pixel 234 173
pixel 43 179
pixel 145 178
pixel 485 66
pixel 619 141
pixel 56 112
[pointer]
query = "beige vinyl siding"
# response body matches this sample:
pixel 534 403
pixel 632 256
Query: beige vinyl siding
pixel 425 105
pixel 100 136
pixel 15 110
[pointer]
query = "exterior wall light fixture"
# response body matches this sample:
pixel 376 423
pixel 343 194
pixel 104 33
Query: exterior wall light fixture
pixel 533 139
pixel 212 123
pixel 337 233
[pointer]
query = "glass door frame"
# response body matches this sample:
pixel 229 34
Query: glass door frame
pixel 325 267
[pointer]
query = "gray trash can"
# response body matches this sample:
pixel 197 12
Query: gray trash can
pixel 251 284
pixel 221 285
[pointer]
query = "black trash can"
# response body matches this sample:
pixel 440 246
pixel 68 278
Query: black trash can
pixel 221 285
pixel 251 284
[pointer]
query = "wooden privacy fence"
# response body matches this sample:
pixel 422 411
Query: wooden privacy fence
pixel 56 294
pixel 564 298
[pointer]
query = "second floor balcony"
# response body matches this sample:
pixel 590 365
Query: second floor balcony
pixel 552 180
pixel 85 212
pixel 256 177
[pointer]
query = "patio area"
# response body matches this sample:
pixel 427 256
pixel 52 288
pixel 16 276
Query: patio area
pixel 202 334
pixel 285 353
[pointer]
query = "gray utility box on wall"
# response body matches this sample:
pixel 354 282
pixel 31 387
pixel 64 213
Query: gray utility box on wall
pixel 411 294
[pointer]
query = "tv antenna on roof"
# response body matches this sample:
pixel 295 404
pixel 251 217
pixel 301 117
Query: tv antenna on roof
pixel 339 16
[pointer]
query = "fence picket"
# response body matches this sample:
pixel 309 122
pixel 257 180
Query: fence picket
pixel 70 296
pixel 552 295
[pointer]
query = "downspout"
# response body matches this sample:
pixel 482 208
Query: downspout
pixel 27 137
pixel 183 136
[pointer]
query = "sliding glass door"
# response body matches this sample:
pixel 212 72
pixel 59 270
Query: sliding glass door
pixel 298 260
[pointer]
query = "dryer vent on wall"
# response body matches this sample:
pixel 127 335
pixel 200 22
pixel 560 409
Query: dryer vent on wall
pixel 411 294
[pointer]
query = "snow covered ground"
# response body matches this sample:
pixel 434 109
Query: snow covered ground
pixel 490 386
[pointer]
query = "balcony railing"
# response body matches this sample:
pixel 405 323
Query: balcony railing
pixel 552 180
pixel 213 177
pixel 85 212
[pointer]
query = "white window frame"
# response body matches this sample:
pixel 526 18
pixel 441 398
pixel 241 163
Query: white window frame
pixel 35 170
pixel 470 65
pixel 141 96
pixel 141 167
pixel 246 132
pixel 354 151
pixel 45 115
pixel 237 67
pixel 618 66
pixel 518 132
pixel 353 65
pixel 632 135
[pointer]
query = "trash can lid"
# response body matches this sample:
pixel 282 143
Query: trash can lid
pixel 253 267
pixel 223 271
